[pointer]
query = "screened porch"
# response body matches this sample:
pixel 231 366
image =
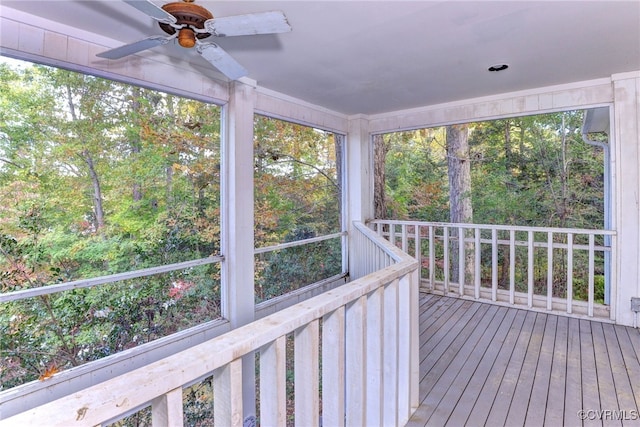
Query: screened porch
pixel 412 322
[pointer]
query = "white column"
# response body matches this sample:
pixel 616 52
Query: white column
pixel 626 93
pixel 237 222
pixel 359 197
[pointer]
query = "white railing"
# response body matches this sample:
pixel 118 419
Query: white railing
pixel 357 343
pixel 34 393
pixel 552 269
pixel 103 280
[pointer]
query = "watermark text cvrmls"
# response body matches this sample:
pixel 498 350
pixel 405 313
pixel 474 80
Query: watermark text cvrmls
pixel 609 414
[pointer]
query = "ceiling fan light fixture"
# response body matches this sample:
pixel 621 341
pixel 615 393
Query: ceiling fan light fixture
pixel 187 15
pixel 186 38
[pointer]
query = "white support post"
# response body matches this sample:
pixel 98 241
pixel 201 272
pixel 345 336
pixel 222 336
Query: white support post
pixel 228 393
pixel 445 243
pixel 355 362
pixel 478 253
pixel 359 179
pixel 333 371
pixel 462 267
pixel 390 392
pixel 549 270
pixel 530 276
pixel 392 234
pixel 408 347
pixel 418 249
pixel 273 372
pixel 432 258
pixel 494 264
pixel 405 240
pixel 237 223
pixel 626 187
pixel 344 217
pixel 512 266
pixel 307 375
pixel 376 342
pixel 569 273
pixel 414 338
pixel 166 410
pixel 591 274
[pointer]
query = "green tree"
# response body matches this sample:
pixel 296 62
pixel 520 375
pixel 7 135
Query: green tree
pixel 99 177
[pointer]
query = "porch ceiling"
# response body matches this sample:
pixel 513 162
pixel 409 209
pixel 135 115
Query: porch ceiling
pixel 376 56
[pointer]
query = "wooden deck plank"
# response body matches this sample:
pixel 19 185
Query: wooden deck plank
pixel 509 328
pixel 537 403
pixel 439 359
pixel 435 316
pixel 515 389
pixel 590 390
pixel 444 382
pixel 437 337
pixel 483 365
pixel 630 361
pixel 573 387
pixel 606 387
pixel 634 336
pixel 555 405
pixel 621 379
pixel 449 323
pixel 462 348
pixel 427 303
pixel 490 393
pixel 502 402
pixel 464 367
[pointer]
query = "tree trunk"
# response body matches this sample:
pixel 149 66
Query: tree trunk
pixel 508 153
pixel 136 190
pixel 460 209
pixel 98 209
pixel 459 169
pixel 563 210
pixel 97 191
pixel 379 158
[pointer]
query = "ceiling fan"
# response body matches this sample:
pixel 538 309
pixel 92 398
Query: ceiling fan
pixel 190 24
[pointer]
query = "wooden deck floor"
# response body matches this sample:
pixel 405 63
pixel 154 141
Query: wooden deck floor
pixel 487 365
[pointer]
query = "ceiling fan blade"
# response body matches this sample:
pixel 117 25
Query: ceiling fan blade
pixel 151 9
pixel 221 60
pixel 249 24
pixel 131 48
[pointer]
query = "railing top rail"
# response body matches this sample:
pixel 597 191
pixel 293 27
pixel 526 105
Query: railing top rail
pixel 88 283
pixel 298 243
pixel 497 227
pixel 175 371
pixel 382 243
pixel 112 278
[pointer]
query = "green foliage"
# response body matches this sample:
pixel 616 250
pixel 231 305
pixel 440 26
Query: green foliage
pixel 532 170
pixel 289 269
pixel 297 196
pixel 99 177
pixel 416 178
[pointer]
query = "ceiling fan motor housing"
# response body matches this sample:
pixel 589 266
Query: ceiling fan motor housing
pixel 187 15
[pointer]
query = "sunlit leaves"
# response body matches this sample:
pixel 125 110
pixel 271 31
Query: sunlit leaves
pixel 155 158
pixel 296 180
pixel 533 170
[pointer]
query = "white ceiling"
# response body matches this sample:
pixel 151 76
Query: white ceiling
pixel 376 56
